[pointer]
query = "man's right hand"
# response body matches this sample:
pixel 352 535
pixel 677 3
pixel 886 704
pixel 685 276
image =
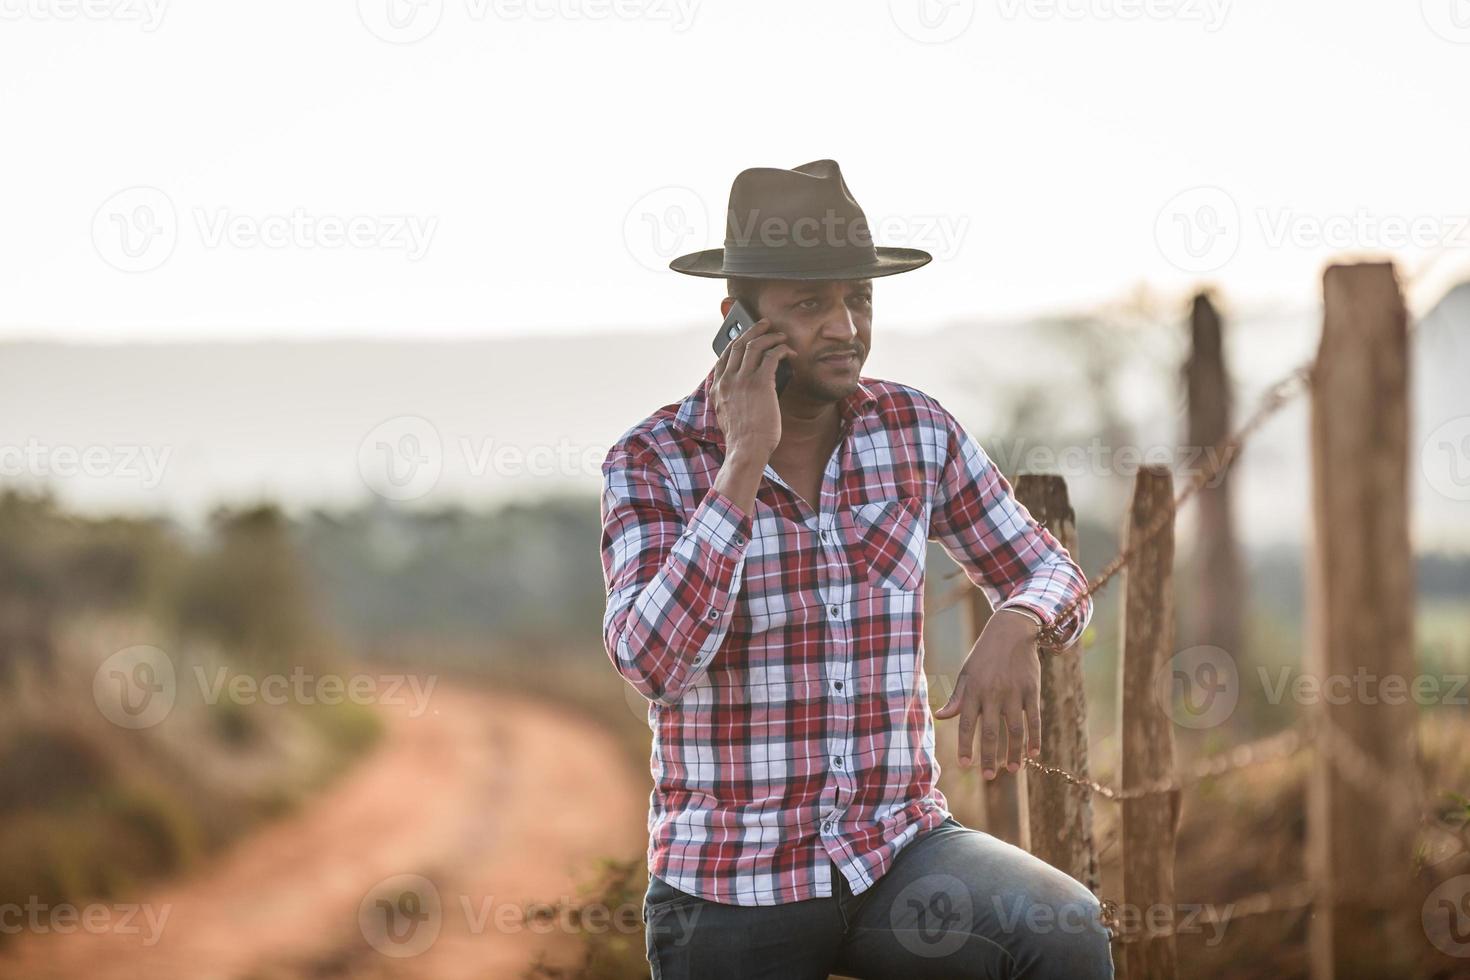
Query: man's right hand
pixel 743 394
pixel 744 391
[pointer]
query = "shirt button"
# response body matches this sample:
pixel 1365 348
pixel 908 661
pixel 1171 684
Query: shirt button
pixel 837 684
pixel 739 539
pixel 837 761
pixel 834 611
pixel 714 614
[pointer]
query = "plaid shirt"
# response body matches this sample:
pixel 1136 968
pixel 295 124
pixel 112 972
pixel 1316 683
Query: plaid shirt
pixel 782 651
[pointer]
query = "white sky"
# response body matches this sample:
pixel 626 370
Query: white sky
pixel 523 138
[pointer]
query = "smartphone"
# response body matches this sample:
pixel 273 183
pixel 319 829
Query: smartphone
pixel 736 323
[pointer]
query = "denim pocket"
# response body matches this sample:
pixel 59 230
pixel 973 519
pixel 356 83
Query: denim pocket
pixel 662 896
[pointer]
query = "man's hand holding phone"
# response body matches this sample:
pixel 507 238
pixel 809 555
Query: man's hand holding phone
pixel 743 394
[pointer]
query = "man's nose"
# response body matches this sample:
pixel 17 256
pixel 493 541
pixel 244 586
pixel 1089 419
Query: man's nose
pixel 840 325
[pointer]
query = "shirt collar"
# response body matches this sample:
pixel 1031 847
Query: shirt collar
pixel 696 413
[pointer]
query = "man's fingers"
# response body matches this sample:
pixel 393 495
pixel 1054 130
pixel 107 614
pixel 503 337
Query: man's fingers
pixel 755 351
pixel 1033 723
pixel 1015 733
pixel 955 699
pixel 772 358
pixel 989 736
pixel 969 711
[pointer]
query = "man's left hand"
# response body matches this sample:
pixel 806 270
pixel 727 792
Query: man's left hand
pixel 1000 686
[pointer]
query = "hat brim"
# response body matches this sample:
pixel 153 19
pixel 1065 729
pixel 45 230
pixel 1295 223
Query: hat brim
pixel 710 264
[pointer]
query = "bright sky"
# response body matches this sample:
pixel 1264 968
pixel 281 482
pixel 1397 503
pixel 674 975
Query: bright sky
pixel 177 168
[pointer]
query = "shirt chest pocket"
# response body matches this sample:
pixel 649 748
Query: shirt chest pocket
pixel 890 541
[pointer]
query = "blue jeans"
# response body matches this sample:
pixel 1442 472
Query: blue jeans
pixel 957 903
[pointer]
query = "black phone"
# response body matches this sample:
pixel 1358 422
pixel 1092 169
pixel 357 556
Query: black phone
pixel 736 323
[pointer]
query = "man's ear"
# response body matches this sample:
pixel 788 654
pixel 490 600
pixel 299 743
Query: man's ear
pixel 725 305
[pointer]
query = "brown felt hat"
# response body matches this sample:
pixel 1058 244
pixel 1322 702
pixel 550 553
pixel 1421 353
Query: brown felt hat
pixel 797 224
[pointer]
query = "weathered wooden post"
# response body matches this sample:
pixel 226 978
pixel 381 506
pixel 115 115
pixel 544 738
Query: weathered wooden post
pixel 1360 579
pixel 1218 593
pixel 1149 822
pixel 1060 815
pixel 1005 795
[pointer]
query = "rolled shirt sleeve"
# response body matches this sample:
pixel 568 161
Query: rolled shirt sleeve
pixel 671 581
pixel 1012 559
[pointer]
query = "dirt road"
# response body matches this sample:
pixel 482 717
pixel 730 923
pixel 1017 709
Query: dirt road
pixel 495 800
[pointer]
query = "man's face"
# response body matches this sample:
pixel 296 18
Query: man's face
pixel 829 323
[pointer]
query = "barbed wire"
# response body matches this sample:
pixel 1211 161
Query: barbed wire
pixel 1274 748
pixel 1277 397
pixel 1292 898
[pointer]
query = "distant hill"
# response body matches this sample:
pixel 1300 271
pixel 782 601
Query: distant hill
pixel 289 421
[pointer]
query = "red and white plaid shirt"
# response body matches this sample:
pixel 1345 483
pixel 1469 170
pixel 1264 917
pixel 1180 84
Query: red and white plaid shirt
pixel 782 651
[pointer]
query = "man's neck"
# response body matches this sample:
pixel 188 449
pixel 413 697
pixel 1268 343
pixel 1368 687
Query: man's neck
pixel 808 429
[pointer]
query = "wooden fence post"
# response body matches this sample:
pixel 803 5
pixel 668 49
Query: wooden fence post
pixel 1004 796
pixel 1360 578
pixel 1217 597
pixel 1060 815
pixel 1149 822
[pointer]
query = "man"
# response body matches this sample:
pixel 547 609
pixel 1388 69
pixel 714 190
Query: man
pixel 764 558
